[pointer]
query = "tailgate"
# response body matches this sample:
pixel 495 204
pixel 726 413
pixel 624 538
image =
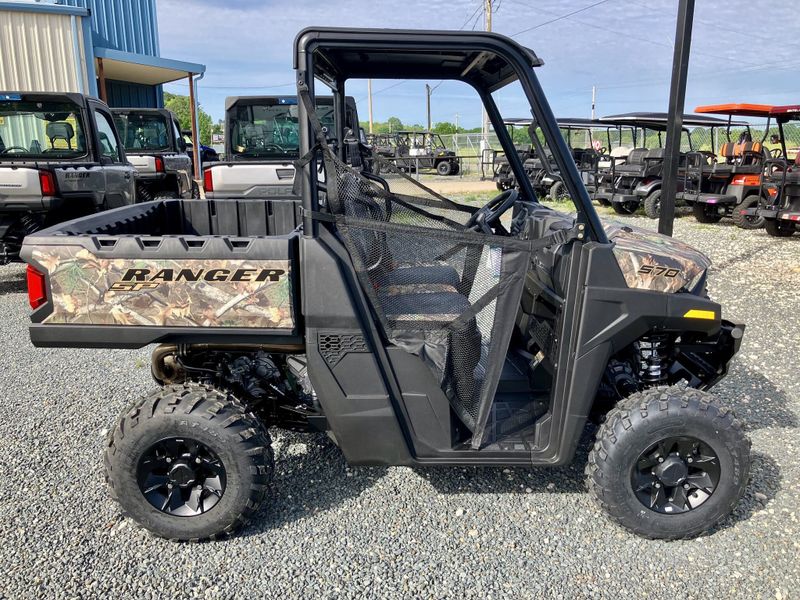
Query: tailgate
pixel 107 288
pixel 20 188
pixel 251 179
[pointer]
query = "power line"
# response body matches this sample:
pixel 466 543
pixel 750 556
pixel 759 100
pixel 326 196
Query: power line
pixel 559 18
pixel 471 17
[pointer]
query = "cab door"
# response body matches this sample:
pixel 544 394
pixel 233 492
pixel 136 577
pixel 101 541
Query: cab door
pixel 120 184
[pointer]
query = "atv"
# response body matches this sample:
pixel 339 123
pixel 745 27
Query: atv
pixel 410 328
pixel 60 158
pixel 155 146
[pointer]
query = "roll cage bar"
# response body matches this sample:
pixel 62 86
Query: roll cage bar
pixel 486 61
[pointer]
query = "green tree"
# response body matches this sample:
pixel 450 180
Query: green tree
pixel 445 128
pixel 394 124
pixel 180 106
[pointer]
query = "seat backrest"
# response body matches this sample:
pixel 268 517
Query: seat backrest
pixel 727 151
pixel 636 156
pixel 655 153
pixel 60 130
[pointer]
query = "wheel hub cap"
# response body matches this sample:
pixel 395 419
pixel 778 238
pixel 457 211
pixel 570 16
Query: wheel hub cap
pixel 181 477
pixel 675 475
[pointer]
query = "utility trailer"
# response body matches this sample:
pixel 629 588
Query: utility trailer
pixel 60 157
pixel 412 329
pixel 261 145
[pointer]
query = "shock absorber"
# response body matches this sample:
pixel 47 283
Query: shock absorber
pixel 653 358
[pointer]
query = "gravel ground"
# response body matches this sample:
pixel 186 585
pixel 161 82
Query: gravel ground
pixel 330 531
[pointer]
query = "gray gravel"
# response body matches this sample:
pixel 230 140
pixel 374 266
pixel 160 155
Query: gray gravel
pixel 330 531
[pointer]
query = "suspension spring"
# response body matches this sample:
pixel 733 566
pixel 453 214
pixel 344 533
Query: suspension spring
pixel 653 358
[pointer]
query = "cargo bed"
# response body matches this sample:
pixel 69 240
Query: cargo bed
pixel 169 271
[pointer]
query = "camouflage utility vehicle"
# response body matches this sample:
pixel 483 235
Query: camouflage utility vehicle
pixel 154 145
pixel 424 150
pixel 262 141
pixel 60 158
pixel 412 329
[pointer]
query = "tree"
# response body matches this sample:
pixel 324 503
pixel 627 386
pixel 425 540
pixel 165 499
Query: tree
pixel 180 106
pixel 445 128
pixel 394 124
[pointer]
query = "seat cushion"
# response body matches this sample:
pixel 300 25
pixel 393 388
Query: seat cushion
pixel 427 273
pixel 416 302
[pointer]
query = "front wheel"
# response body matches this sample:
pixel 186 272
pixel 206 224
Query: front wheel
pixel 652 204
pixel 702 213
pixel 558 192
pixel 189 462
pixel 747 221
pixel 669 463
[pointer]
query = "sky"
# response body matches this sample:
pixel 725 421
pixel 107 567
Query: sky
pixel 742 51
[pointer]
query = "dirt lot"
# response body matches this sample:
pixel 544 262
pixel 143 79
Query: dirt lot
pixel 333 531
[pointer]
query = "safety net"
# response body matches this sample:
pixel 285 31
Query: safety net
pixel 439 289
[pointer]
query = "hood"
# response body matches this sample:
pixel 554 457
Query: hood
pixel 655 262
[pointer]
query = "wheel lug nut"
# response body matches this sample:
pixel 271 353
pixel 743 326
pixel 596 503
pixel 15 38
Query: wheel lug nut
pixel 169 460
pixel 658 485
pixel 690 459
pixel 660 459
pixel 686 486
pixel 197 460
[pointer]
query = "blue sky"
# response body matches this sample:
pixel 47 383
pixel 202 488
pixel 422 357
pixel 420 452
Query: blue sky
pixel 743 51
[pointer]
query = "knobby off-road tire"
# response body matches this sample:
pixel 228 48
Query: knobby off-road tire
pixel 143 194
pixel 744 221
pixel 444 168
pixel 777 229
pixel 625 208
pixel 205 417
pixel 700 212
pixel 652 204
pixel 642 421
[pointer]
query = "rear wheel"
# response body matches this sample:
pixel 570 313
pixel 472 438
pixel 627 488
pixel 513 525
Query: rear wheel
pixel 776 228
pixel 603 202
pixel 703 214
pixel 652 204
pixel 189 462
pixel 625 208
pixel 669 463
pixel 444 168
pixel 558 192
pixel 143 194
pixel 746 221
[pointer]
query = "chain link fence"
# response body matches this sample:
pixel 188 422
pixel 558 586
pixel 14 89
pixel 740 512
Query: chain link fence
pixel 477 151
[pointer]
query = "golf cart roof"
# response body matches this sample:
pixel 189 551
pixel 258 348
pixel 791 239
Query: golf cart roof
pixel 659 120
pixel 738 110
pixel 580 123
pixel 789 112
pixel 469 56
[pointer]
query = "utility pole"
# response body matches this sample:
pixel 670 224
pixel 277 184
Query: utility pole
pixel 677 97
pixel 594 97
pixel 369 102
pixel 428 92
pixel 484 146
pixel 455 136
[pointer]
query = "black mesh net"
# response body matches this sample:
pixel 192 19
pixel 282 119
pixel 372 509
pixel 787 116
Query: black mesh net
pixel 441 291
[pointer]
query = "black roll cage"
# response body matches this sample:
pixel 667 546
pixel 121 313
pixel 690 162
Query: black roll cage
pixel 334 55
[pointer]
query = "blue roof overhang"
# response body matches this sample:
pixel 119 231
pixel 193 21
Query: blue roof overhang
pixel 144 69
pixel 59 9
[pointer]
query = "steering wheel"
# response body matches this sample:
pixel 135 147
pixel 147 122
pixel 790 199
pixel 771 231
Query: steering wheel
pixel 492 211
pixel 10 148
pixel 274 147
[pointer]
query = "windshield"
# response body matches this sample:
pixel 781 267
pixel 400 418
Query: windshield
pixel 270 131
pixel 143 131
pixel 41 130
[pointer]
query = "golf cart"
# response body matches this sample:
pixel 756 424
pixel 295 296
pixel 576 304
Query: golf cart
pixel 529 154
pixel 155 147
pixel 261 145
pixel 637 180
pixel 381 144
pixel 418 150
pixel 726 184
pixel 780 183
pixel 60 158
pixel 587 150
pixel 412 329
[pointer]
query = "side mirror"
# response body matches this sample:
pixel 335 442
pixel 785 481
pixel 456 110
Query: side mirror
pixel 182 144
pixel 106 160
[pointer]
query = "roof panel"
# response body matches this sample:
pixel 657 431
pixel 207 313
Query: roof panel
pixel 737 109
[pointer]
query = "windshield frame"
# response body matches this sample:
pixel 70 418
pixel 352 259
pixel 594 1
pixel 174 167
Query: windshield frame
pixel 76 112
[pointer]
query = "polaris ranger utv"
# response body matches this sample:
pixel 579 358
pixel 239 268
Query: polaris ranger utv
pixel 261 145
pixel 60 158
pixel 154 145
pixel 412 329
pixel 418 150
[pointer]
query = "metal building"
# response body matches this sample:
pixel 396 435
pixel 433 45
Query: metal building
pixel 105 48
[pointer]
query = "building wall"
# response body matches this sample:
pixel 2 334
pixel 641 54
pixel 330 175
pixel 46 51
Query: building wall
pixel 127 25
pixel 122 94
pixel 42 51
